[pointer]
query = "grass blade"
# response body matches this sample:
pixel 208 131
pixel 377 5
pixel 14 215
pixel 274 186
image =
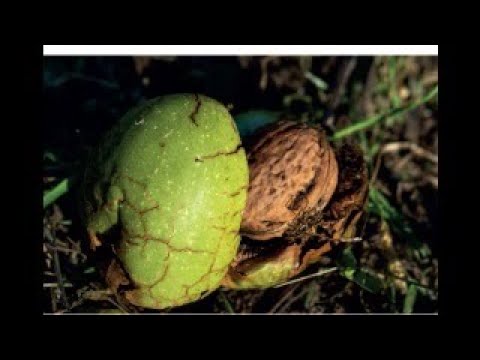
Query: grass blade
pixel 364 278
pixel 226 303
pixel 318 82
pixel 368 281
pixel 410 298
pixel 58 190
pixel 48 155
pixel 369 122
pixel 379 205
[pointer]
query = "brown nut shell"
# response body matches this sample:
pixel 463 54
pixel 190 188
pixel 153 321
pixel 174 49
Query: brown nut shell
pixel 262 264
pixel 293 170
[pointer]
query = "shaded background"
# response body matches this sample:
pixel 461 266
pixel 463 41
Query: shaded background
pixel 394 268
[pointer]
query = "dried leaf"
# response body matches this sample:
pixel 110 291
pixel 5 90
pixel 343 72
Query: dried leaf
pixel 115 276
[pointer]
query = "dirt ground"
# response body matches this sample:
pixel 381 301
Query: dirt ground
pixel 393 269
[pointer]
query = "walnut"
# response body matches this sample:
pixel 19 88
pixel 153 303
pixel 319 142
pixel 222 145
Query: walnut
pixel 292 171
pixel 304 197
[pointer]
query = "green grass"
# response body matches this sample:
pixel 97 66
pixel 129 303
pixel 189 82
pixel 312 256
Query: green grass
pixel 410 298
pixel 379 204
pixel 363 277
pixel 52 195
pixel 374 120
pixel 223 299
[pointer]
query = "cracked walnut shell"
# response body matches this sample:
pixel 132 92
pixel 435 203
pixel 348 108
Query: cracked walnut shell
pixel 293 170
pixel 304 197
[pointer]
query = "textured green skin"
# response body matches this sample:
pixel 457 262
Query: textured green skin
pixel 172 174
pixel 266 275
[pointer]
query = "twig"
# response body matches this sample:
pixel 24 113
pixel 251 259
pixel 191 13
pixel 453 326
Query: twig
pixel 119 307
pixel 430 78
pixel 292 300
pixel 397 146
pixel 284 298
pixel 62 249
pixel 53 300
pixel 264 70
pixel 343 76
pixel 55 285
pixel 365 102
pixel 318 273
pixel 376 168
pixel 414 148
pixel 56 265
pixel 350 240
pixel 317 81
pixel 402 162
pixel 226 303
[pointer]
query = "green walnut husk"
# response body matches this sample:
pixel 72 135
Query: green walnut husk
pixel 166 191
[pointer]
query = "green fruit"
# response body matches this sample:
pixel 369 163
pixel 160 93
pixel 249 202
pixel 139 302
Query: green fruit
pixel 170 180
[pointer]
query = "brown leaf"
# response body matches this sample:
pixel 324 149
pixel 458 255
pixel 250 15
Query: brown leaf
pixel 115 276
